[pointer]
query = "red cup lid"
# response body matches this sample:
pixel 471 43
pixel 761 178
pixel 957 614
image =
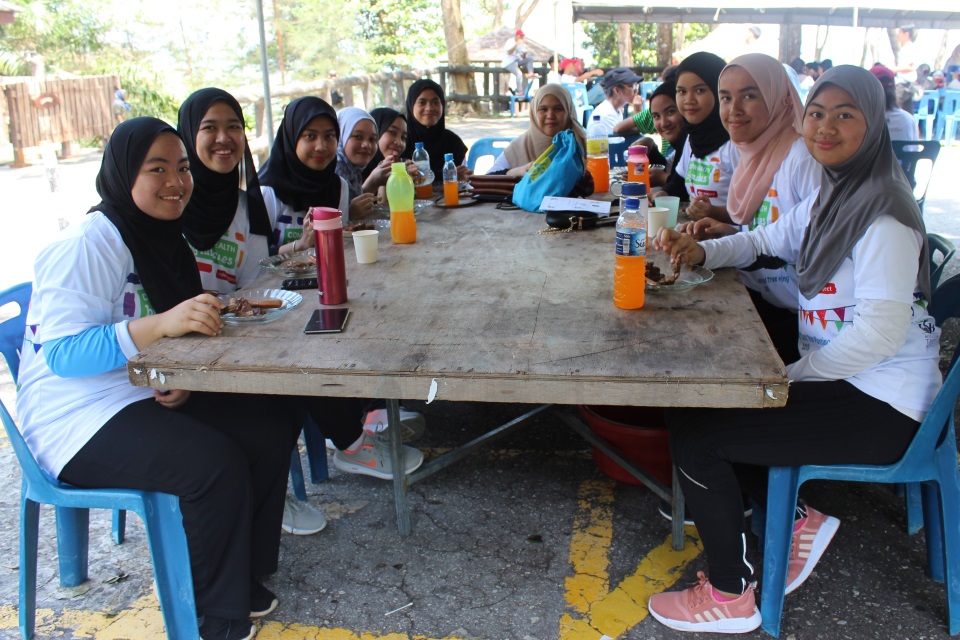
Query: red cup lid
pixel 324 213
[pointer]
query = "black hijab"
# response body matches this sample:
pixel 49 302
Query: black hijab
pixel 709 135
pixel 163 260
pixel 213 205
pixel 855 193
pixel 669 88
pixel 436 139
pixel 294 182
pixel 384 117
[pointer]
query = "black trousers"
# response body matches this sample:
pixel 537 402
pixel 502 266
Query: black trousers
pixel 227 457
pixel 720 453
pixel 782 325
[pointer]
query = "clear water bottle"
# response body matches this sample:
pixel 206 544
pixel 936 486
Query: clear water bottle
pixel 598 161
pixel 451 186
pixel 629 273
pixel 421 158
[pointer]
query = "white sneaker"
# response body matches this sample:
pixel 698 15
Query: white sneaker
pixel 301 518
pixel 413 423
pixel 372 458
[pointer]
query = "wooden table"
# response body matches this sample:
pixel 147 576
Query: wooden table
pixel 482 308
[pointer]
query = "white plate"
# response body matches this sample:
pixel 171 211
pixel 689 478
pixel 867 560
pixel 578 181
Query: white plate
pixel 279 262
pixel 290 299
pixel 689 278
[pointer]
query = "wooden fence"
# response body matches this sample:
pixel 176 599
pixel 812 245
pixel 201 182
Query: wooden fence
pixel 59 111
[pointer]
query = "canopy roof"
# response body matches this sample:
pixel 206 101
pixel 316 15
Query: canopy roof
pixel 489 47
pixel 934 14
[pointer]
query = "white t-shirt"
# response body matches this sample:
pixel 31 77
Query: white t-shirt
pixel 874 270
pixel 85 279
pixel 797 178
pixel 909 55
pixel 288 224
pixel 609 116
pixel 234 261
pixel 901 125
pixel 518 53
pixel 711 175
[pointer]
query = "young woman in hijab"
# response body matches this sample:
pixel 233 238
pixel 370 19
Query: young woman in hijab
pixel 118 283
pixel 869 369
pixel 358 145
pixel 426 117
pixel 549 115
pixel 301 172
pixel 706 163
pixel 392 127
pixel 762 112
pixel 669 123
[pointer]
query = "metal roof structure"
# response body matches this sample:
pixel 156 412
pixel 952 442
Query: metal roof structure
pixel 932 14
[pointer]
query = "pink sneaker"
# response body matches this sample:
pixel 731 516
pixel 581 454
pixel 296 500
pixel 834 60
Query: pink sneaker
pixel 695 609
pixel 809 543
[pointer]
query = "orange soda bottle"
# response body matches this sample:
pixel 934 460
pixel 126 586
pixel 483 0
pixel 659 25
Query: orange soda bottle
pixel 451 187
pixel 638 166
pixel 403 226
pixel 629 272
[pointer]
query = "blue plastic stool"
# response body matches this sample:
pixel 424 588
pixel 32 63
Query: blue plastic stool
pixel 927 112
pixel 491 146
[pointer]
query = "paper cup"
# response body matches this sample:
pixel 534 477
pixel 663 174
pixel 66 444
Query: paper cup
pixel 672 203
pixel 365 242
pixel 657 218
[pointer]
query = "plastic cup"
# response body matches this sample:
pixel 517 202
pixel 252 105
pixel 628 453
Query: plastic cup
pixel 657 218
pixel 672 203
pixel 365 242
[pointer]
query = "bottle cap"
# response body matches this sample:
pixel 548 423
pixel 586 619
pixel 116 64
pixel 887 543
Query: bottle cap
pixel 633 189
pixel 638 150
pixel 631 203
pixel 399 167
pixel 418 145
pixel 448 157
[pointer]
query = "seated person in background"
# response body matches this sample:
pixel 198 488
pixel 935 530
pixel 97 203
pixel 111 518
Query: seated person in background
pixel 426 118
pixel 392 128
pixel 900 124
pixel 550 113
pixel 301 172
pixel 619 87
pixel 357 146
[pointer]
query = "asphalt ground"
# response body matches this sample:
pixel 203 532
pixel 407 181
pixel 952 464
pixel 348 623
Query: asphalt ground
pixel 527 540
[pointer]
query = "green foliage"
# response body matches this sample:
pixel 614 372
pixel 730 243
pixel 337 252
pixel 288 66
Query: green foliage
pixel 602 42
pixel 63 31
pixel 144 88
pixel 400 33
pixel 313 44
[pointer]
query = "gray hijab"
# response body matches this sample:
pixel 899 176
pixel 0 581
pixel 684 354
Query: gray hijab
pixel 853 194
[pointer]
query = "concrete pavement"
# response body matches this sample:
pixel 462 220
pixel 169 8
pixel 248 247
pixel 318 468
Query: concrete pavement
pixel 526 541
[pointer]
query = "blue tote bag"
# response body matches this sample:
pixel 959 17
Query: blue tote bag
pixel 554 173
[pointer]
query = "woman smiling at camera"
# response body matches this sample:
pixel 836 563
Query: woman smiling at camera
pixel 427 119
pixel 549 115
pixel 869 351
pixel 392 127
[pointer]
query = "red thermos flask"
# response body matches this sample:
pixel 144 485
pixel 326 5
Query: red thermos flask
pixel 331 269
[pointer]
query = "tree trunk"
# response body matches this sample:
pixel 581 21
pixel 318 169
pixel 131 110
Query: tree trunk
pixel 665 46
pixel 524 11
pixel 894 43
pixel 942 53
pixel 463 83
pixel 821 43
pixel 498 15
pixel 790 36
pixel 624 44
pixel 681 38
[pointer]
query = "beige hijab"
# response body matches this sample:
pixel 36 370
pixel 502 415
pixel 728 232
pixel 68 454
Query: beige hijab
pixel 761 159
pixel 528 147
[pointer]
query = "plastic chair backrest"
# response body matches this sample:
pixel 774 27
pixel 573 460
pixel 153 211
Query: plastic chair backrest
pixel 928 104
pixel 491 146
pixel 950 113
pixel 524 97
pixel 946 301
pixel 646 88
pixel 578 91
pixel 938 244
pixel 618 150
pixel 11 330
pixel 911 153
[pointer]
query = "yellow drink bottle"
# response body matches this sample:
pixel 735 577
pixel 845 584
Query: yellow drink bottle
pixel 403 226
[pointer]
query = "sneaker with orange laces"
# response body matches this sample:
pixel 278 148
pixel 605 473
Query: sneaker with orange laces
pixel 696 609
pixel 809 542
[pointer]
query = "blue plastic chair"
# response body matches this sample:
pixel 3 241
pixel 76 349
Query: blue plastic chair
pixel 949 115
pixel 931 459
pixel 646 88
pixel 578 91
pixel 926 112
pixel 523 97
pixel 160 513
pixel 939 244
pixel 618 150
pixel 910 153
pixel 492 146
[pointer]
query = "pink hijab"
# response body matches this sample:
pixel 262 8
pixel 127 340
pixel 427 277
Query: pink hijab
pixel 761 159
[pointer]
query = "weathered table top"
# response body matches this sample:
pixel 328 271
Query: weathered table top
pixel 488 310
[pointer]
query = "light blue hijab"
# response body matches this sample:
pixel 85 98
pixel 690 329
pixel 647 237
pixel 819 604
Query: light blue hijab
pixel 347 119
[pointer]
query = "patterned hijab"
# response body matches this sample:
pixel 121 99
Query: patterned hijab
pixel 528 146
pixel 213 205
pixel 853 194
pixel 161 256
pixel 760 159
pixel 348 118
pixel 707 136
pixel 295 183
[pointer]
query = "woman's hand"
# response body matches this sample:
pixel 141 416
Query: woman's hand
pixel 463 173
pixel 362 206
pixel 173 399
pixel 380 174
pixel 707 228
pixel 681 247
pixel 200 314
pixel 309 238
pixel 699 207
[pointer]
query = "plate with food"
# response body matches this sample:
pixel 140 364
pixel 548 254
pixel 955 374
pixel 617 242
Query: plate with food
pixel 292 265
pixel 367 224
pixel 257 306
pixel 677 280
